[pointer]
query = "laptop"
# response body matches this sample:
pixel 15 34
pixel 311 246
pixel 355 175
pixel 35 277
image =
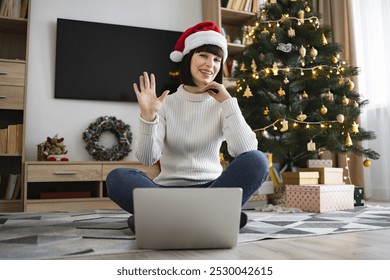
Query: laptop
pixel 187 218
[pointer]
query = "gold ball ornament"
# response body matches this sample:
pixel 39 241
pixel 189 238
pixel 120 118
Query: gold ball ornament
pixel 367 163
pixel 345 101
pixel 323 110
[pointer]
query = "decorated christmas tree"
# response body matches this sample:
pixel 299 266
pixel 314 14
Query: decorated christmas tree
pixel 294 88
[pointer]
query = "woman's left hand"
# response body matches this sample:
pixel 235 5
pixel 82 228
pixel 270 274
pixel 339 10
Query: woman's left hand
pixel 217 91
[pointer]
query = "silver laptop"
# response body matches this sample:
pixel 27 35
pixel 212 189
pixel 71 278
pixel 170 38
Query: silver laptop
pixel 187 218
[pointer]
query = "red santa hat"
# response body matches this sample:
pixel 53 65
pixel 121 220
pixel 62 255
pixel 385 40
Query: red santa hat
pixel 204 33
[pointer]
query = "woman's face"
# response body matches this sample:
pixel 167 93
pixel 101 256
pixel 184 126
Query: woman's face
pixel 204 67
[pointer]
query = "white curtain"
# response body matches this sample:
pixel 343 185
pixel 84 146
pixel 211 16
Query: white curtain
pixel 372 42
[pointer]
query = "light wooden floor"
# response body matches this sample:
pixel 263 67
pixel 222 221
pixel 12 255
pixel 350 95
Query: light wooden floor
pixel 366 245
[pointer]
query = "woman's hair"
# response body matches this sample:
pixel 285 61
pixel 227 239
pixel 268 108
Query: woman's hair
pixel 185 65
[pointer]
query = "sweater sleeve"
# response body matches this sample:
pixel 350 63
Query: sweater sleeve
pixel 150 140
pixel 239 136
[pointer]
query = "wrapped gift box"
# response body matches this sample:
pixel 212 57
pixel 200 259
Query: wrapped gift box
pixel 300 178
pixel 319 163
pixel 320 198
pixel 328 175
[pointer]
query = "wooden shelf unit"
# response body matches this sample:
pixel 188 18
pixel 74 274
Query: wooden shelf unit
pixel 74 179
pixel 13 50
pixel 230 20
pixel 232 23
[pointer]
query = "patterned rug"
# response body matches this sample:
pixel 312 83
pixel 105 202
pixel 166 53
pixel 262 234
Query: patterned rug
pixel 28 236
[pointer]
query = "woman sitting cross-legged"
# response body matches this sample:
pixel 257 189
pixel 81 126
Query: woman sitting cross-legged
pixel 184 131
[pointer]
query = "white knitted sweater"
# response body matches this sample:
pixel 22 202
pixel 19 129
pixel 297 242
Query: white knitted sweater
pixel 187 135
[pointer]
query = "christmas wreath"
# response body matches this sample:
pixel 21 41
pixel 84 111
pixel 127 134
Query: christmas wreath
pixel 121 131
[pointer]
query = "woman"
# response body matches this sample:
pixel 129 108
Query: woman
pixel 184 131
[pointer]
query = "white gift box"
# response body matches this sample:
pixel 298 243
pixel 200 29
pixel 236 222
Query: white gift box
pixel 328 175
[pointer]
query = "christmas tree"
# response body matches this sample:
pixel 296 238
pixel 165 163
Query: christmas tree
pixel 294 88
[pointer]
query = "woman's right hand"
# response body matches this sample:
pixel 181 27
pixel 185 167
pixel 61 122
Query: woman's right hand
pixel 147 98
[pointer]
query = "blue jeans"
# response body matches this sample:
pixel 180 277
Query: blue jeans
pixel 247 171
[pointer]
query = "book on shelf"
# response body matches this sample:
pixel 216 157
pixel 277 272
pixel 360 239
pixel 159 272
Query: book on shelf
pixel 18 188
pixel 11 139
pixel 11 185
pixel 237 5
pixel 13 8
pixel 247 7
pixel 23 9
pixel 3 140
pixel 257 5
pixel 230 4
pixel 7 8
pixel 19 139
pixel 242 5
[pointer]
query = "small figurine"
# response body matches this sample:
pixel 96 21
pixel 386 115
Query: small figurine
pixel 54 149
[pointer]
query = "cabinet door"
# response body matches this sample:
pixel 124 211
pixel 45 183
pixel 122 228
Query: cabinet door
pixel 11 97
pixel 12 73
pixel 63 173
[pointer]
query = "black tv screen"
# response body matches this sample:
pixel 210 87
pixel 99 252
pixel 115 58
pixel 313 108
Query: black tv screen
pixel 99 61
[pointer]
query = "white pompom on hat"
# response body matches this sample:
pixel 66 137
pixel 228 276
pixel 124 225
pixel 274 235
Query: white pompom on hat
pixel 204 33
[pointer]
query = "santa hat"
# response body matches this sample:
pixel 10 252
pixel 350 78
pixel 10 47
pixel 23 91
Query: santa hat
pixel 204 33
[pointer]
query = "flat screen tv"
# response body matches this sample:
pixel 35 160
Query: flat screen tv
pixel 99 61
